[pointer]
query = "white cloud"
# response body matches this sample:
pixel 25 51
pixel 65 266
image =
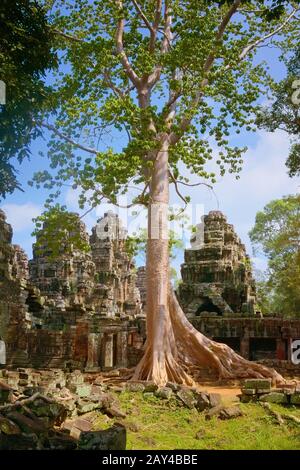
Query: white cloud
pixel 20 215
pixel 263 178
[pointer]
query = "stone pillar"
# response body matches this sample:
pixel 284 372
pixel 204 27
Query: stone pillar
pixel 245 347
pixel 280 349
pixel 92 359
pixel 109 351
pixel 289 349
pixel 122 349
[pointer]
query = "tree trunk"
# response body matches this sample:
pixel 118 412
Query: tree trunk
pixel 174 347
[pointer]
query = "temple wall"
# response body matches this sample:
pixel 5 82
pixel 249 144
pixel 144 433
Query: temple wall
pixel 98 324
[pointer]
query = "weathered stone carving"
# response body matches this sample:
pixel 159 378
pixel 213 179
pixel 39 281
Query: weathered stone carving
pixel 65 280
pixel 14 316
pixel 117 293
pixel 87 316
pixel 216 276
pixel 77 310
pixel 141 284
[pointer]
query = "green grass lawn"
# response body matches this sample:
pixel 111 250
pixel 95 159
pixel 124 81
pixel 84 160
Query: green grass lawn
pixel 158 424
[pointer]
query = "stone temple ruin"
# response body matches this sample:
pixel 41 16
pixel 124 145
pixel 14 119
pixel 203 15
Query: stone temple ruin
pixel 216 276
pixel 218 295
pixel 80 311
pixel 85 310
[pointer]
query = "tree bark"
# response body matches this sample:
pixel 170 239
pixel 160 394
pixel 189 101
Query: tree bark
pixel 174 347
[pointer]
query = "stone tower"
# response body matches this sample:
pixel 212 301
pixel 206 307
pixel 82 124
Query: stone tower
pixel 14 315
pixel 115 273
pixel 216 275
pixel 65 280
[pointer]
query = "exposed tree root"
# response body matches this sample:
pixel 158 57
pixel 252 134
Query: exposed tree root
pixel 175 347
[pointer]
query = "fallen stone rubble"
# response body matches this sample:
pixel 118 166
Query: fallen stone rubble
pixel 42 409
pixel 260 390
pixel 52 409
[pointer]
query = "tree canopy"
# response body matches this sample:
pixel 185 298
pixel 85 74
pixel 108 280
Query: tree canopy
pixel 25 57
pixel 277 233
pixel 143 89
pixel 202 84
pixel 284 113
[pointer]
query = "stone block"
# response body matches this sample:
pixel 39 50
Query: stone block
pixel 215 411
pixel 187 397
pixel 215 399
pixel 150 387
pixel 61 441
pixel 295 399
pixel 258 384
pixel 249 391
pixel 246 398
pixel 203 401
pixel 82 390
pixel 230 412
pixel 135 387
pixel 163 392
pixel 9 427
pixel 113 438
pixel 85 406
pixel 173 386
pixel 274 397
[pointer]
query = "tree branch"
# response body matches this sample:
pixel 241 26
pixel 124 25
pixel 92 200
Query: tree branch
pixel 143 16
pixel 177 189
pixel 194 184
pixel 26 401
pixel 138 200
pixel 68 139
pixel 277 30
pixel 167 29
pixel 186 120
pixel 155 25
pixel 69 36
pixel 120 49
pixel 112 86
pixel 166 44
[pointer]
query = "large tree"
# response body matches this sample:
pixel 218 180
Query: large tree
pixel 277 233
pixel 25 57
pixel 143 86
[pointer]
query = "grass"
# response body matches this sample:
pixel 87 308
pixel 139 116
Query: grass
pixel 158 424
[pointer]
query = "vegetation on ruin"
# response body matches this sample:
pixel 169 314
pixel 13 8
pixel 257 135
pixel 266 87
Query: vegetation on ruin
pixel 277 233
pixel 143 88
pixel 58 229
pixel 157 424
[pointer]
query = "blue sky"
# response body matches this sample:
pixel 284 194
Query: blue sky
pixel 263 178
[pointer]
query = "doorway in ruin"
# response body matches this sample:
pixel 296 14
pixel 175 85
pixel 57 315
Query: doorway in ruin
pixel 262 348
pixel 233 342
pixel 207 306
pixel 115 345
pixel 108 351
